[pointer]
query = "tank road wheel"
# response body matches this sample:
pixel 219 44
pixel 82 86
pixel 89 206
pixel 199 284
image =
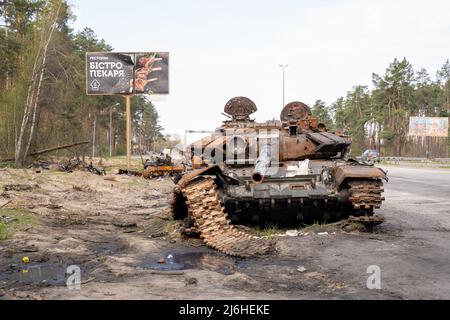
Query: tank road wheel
pixel 205 210
pixel 365 196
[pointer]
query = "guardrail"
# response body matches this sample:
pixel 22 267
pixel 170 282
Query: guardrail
pixel 417 159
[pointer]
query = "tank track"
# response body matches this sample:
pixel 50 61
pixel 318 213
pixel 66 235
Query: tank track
pixel 211 221
pixel 366 195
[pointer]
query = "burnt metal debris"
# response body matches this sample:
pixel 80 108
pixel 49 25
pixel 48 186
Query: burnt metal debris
pixel 77 164
pixel 162 165
pixel 292 169
pixel 125 172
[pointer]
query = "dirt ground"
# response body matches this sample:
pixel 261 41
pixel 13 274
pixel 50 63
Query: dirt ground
pixel 118 231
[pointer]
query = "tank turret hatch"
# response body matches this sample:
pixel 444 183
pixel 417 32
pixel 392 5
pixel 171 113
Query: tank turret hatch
pixel 240 108
pixel 295 111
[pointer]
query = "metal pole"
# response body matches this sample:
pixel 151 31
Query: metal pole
pixel 128 111
pixel 284 87
pixel 93 138
pixel 110 132
pixel 284 82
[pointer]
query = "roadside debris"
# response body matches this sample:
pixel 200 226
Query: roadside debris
pixel 124 172
pixel 125 224
pixel 7 220
pixel 293 233
pixel 191 281
pixel 323 233
pixel 95 170
pixel 70 165
pixel 301 269
pixel 77 164
pixel 40 164
pixel 160 166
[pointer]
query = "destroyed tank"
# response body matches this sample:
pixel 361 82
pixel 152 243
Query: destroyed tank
pixel 280 171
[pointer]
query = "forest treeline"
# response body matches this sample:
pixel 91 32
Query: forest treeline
pixel 43 102
pixel 379 118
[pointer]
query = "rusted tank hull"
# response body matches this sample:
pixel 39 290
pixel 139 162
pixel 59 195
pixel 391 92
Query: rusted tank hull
pixel 358 172
pixel 306 196
pixel 305 175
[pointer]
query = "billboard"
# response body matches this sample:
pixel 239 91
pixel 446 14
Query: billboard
pixel 111 73
pixel 152 73
pixel 428 127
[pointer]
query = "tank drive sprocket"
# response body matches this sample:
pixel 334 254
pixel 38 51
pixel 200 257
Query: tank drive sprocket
pixel 366 195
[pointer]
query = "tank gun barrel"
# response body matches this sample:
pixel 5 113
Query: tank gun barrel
pixel 262 164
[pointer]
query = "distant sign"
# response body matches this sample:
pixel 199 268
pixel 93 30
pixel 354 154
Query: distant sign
pixel 109 73
pixel 428 127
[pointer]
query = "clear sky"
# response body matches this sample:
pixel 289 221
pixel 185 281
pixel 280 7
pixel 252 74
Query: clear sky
pixel 222 49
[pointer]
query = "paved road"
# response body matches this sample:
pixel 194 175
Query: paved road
pixel 413 246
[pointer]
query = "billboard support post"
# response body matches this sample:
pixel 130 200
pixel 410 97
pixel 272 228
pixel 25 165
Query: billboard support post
pixel 128 130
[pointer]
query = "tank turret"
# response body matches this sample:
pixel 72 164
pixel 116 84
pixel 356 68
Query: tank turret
pixel 291 169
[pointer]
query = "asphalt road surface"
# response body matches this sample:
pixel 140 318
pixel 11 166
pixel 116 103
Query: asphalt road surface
pixel 413 248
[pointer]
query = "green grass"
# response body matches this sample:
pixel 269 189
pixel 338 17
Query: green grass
pixel 3 231
pixel 315 225
pixel 269 232
pixel 24 220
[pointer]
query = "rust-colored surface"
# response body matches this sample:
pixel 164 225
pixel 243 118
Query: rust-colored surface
pixel 197 162
pixel 344 172
pixel 237 180
pixel 205 208
pixel 300 134
pixel 295 111
pixel 154 171
pixel 184 181
pixel 240 108
pixel 292 148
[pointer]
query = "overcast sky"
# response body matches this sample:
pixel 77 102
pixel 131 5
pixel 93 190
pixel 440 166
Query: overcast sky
pixel 222 49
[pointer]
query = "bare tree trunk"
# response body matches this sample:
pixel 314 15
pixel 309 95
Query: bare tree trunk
pixel 31 106
pixel 26 111
pixel 35 105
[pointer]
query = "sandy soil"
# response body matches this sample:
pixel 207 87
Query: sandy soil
pixel 117 229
